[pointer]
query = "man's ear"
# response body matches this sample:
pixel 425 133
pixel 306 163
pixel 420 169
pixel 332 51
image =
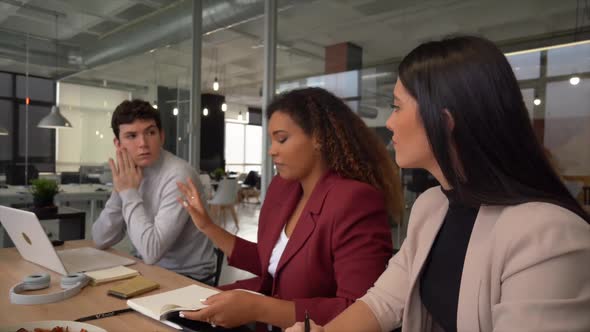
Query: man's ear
pixel 162 137
pixel 117 143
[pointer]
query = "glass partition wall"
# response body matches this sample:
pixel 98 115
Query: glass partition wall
pixel 118 50
pixel 353 48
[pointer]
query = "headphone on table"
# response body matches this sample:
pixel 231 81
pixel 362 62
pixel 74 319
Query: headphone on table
pixel 72 284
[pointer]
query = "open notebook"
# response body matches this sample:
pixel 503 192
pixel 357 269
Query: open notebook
pixel 159 306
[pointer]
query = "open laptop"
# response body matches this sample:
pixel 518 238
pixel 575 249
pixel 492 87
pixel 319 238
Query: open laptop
pixel 32 243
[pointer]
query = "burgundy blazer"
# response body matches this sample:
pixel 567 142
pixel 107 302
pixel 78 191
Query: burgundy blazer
pixel 339 247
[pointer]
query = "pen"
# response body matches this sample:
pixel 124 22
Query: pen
pixel 307 328
pixel 103 315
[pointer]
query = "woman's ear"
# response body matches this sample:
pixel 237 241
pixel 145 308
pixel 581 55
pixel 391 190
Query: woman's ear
pixel 449 120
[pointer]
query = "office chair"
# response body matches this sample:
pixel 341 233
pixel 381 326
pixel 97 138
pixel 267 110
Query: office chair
pixel 225 198
pixel 219 256
pixel 70 177
pixel 215 276
pixel 251 179
pixel 249 187
pixel 207 186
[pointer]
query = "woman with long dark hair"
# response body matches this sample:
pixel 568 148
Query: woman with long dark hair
pixel 323 233
pixel 501 245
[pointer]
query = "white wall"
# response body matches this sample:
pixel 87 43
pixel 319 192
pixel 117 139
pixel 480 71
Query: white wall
pixel 89 109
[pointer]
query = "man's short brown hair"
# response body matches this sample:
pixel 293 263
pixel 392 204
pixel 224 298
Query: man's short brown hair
pixel 129 111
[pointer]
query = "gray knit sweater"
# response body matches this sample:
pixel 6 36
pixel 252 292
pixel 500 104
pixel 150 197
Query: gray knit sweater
pixel 158 226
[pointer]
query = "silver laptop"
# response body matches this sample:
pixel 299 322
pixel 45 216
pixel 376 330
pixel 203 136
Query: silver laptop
pixel 32 243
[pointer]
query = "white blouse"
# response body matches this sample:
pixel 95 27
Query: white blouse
pixel 277 252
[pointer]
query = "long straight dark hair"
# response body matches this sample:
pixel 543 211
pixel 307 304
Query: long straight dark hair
pixel 500 160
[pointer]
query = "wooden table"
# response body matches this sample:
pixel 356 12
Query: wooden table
pixel 91 300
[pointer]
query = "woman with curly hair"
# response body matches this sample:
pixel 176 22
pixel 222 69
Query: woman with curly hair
pixel 324 235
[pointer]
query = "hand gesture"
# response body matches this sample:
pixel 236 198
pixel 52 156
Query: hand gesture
pixel 126 175
pixel 191 200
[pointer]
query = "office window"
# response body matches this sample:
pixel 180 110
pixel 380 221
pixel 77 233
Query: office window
pixel 234 143
pixel 6 123
pixel 5 85
pixel 25 142
pixel 39 139
pixel 567 126
pixel 40 89
pixel 568 60
pixel 525 66
pixel 253 139
pixel 243 147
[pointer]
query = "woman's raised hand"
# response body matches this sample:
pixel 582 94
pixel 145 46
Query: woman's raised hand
pixel 191 201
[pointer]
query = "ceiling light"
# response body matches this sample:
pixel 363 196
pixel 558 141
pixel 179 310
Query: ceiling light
pixel 215 84
pixel 155 104
pixel 205 111
pixel 223 107
pixel 97 133
pixel 574 80
pixel 537 101
pixel 54 120
pixel 377 75
pixel 175 111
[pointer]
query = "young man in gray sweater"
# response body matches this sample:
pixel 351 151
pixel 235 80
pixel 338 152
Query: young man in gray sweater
pixel 143 202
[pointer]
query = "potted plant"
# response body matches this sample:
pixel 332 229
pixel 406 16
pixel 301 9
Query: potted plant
pixel 44 190
pixel 218 173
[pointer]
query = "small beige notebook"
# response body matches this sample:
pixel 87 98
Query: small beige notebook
pixel 160 305
pixel 133 287
pixel 115 273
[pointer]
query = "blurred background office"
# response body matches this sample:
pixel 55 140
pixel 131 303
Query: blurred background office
pixel 85 57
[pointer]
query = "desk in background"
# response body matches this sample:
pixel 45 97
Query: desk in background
pixel 70 193
pixel 91 300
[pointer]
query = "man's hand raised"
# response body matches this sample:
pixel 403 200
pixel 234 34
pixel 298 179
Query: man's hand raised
pixel 126 175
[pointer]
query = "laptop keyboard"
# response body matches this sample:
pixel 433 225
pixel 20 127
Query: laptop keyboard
pixel 89 259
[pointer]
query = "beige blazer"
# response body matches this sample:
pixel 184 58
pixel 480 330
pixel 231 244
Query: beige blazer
pixel 527 268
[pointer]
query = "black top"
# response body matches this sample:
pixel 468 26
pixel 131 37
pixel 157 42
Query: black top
pixel 441 276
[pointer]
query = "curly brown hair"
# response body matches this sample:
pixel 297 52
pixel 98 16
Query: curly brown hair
pixel 349 147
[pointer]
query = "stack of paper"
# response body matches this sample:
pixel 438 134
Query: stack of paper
pixel 115 273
